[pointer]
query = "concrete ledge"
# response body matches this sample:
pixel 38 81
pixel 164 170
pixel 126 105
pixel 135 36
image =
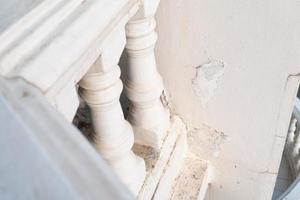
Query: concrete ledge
pixel 193 180
pixel 163 166
pixel 172 170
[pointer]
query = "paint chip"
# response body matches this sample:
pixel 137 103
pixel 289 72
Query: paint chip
pixel 205 81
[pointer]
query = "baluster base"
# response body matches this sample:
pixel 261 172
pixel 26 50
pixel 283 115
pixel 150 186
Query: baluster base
pixel 152 125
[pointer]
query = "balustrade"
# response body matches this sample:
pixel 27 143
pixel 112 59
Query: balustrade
pixel 291 132
pixel 292 153
pixel 78 52
pixel 296 142
pixel 292 148
pixel 101 88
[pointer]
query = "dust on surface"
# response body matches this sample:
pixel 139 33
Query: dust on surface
pixel 206 142
pixel 188 183
pixel 149 154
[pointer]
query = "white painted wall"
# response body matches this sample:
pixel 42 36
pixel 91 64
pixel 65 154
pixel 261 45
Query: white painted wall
pixel 258 44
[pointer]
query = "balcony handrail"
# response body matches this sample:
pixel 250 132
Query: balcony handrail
pixel 59 40
pixel 71 48
pixel 292 146
pixel 45 157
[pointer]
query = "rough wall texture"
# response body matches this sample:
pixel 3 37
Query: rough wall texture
pixel 246 53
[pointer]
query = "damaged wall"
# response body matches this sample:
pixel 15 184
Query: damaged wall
pixel 205 81
pixel 225 64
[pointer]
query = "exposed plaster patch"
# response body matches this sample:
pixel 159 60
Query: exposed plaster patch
pixel 218 139
pixel 205 81
pixel 206 141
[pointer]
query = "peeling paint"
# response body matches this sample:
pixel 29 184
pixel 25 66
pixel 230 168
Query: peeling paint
pixel 205 81
pixel 207 140
pixel 218 140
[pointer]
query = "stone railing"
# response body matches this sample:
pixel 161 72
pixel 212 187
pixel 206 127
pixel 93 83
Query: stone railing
pixel 70 48
pixel 292 146
pixel 43 156
pixel 292 154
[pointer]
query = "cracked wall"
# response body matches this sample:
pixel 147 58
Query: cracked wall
pixel 227 68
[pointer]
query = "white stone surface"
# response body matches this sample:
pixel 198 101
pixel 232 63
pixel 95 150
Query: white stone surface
pixel 53 45
pixel 43 156
pixel 19 7
pixel 249 105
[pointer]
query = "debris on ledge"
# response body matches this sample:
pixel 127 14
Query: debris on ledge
pixel 193 180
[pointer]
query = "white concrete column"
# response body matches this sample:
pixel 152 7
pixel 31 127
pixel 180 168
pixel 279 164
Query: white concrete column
pixel 101 88
pixel 144 85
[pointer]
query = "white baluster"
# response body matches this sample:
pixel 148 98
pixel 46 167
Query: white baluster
pixel 296 143
pixel 297 163
pixel 291 132
pixel 144 85
pixel 101 89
